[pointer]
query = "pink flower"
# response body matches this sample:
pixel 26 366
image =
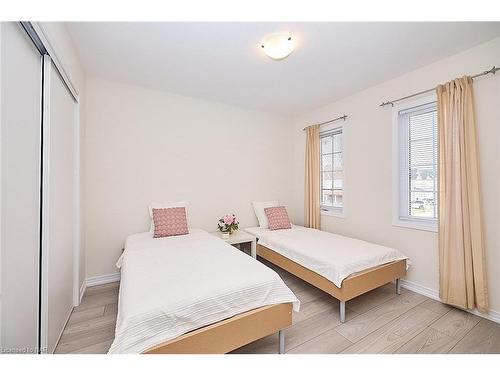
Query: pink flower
pixel 228 219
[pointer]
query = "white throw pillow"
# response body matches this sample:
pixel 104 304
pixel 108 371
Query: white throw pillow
pixel 184 203
pixel 258 208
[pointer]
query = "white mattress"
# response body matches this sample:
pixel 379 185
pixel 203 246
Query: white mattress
pixel 332 256
pixel 170 286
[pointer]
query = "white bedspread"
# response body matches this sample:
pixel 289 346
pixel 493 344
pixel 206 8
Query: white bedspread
pixel 170 286
pixel 332 256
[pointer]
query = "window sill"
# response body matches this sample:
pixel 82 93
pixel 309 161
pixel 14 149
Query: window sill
pixel 332 213
pixel 429 227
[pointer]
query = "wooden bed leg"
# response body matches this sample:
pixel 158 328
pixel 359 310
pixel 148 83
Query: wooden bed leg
pixel 342 311
pixel 398 286
pixel 281 339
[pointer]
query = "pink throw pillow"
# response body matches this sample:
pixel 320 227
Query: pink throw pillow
pixel 278 218
pixel 169 222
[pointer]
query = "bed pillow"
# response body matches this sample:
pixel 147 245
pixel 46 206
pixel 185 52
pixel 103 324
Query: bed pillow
pixel 183 203
pixel 169 222
pixel 278 218
pixel 259 207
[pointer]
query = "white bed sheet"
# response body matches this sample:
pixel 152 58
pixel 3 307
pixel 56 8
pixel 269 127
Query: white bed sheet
pixel 333 256
pixel 170 286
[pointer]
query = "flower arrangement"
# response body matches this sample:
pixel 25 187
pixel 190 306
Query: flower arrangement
pixel 228 224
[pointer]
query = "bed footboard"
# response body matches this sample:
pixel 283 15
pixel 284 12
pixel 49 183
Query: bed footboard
pixel 230 334
pixel 352 287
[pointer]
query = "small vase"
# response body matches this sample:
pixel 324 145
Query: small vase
pixel 225 235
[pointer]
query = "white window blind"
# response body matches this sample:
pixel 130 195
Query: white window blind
pixel 332 170
pixel 417 127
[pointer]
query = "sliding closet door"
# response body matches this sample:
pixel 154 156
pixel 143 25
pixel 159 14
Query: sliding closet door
pixel 20 145
pixel 59 204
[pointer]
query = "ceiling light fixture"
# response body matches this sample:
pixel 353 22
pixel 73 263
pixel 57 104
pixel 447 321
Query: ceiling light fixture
pixel 278 46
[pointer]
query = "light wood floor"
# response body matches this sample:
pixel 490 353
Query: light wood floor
pixel 377 322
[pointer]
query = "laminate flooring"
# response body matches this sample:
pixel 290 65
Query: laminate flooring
pixel 377 322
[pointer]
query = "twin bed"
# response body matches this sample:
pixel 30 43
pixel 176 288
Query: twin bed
pixel 341 266
pixel 197 294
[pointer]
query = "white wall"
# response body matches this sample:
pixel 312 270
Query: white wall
pixel 143 145
pixel 367 161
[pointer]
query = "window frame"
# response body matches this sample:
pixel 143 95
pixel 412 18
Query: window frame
pixel 397 190
pixel 326 130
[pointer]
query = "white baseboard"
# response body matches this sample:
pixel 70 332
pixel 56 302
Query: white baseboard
pixel 423 290
pixel 434 294
pixel 492 315
pixel 103 279
pixel 83 287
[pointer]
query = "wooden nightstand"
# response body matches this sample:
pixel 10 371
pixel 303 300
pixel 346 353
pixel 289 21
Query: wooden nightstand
pixel 239 237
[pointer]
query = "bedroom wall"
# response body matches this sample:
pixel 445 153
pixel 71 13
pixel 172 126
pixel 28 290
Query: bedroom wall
pixel 368 158
pixel 143 145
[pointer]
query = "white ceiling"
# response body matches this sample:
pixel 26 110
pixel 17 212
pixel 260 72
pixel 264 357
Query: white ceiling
pixel 223 61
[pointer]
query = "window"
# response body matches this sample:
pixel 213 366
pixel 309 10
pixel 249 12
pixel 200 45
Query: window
pixel 332 171
pixel 416 128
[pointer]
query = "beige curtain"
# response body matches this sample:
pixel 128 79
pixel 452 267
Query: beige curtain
pixel 312 209
pixel 462 271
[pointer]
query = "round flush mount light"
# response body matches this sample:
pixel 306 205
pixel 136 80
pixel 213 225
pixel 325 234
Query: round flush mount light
pixel 278 46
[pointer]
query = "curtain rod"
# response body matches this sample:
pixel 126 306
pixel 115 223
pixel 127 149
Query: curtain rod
pixel 344 117
pixel 391 103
